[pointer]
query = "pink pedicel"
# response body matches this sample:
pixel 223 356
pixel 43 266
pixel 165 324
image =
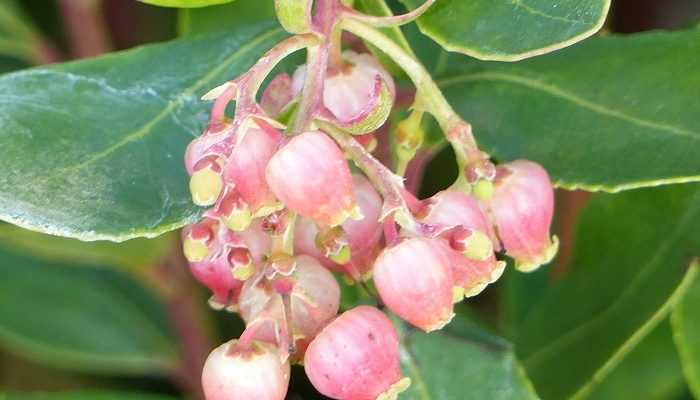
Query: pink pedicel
pixel 245 168
pixel 314 298
pixel 356 357
pixel 522 206
pixel 311 177
pixel 363 235
pixel 234 372
pixel 414 279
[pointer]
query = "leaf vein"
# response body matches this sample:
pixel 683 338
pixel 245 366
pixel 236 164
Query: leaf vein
pixel 534 11
pixel 567 337
pixel 560 93
pixel 179 101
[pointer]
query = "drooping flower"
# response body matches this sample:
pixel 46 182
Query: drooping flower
pixel 311 177
pixel 414 279
pixel 234 372
pixel 358 95
pixel 356 357
pixel 522 205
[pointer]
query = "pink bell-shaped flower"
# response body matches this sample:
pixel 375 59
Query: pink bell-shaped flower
pixel 217 257
pixel 356 357
pixel 314 297
pixel 522 205
pixel 414 279
pixel 359 95
pixel 234 372
pixel 451 208
pixel 245 168
pixel 311 177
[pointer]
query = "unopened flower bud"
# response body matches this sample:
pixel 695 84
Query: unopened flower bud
pixel 245 168
pixel 294 15
pixel 235 373
pixel 311 177
pixel 414 280
pixel 409 135
pixel 206 182
pixel 522 206
pixel 356 357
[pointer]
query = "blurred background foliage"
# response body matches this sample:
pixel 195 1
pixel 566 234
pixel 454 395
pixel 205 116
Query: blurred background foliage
pixel 614 317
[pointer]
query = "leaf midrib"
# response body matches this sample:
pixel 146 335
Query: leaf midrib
pixel 144 130
pixel 558 92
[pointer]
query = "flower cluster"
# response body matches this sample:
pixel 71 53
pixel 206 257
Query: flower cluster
pixel 294 195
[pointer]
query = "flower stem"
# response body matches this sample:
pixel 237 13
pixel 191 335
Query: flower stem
pixel 389 185
pixel 428 94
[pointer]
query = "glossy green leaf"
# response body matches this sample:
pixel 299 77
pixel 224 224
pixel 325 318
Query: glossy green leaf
pixel 686 329
pixel 473 365
pixel 94 149
pixel 86 395
pixel 133 255
pixel 612 113
pixel 510 30
pixel 630 267
pixel 88 319
pixel 652 371
pixel 185 3
pixel 194 21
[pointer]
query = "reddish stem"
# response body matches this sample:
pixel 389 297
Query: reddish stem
pixel 416 169
pixel 86 27
pixel 185 320
pixel 569 206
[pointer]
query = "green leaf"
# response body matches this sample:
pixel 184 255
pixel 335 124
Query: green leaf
pixel 86 395
pixel 194 21
pixel 630 267
pixel 510 30
pixel 132 255
pixel 686 330
pixel 613 113
pixel 19 38
pixel 86 319
pixel 185 3
pixel 474 365
pixel 651 371
pixel 94 149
